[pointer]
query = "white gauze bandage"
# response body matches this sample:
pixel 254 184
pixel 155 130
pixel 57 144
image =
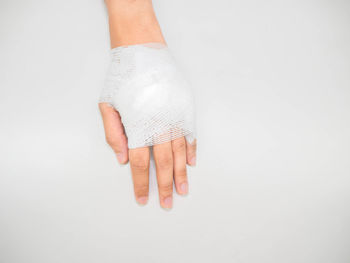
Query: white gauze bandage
pixel 152 97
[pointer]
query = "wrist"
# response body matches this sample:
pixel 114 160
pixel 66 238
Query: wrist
pixel 132 22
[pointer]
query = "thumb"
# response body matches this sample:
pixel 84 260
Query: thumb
pixel 114 131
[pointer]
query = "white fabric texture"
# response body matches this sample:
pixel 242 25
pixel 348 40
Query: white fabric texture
pixel 153 98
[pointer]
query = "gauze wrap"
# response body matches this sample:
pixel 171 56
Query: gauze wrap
pixel 152 97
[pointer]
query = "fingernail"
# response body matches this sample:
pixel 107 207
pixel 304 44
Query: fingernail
pixel 193 161
pixel 120 158
pixel 142 200
pixel 184 188
pixel 168 202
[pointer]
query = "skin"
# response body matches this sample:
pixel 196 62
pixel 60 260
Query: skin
pixel 134 22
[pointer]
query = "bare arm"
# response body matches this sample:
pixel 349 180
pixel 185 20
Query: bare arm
pixel 133 22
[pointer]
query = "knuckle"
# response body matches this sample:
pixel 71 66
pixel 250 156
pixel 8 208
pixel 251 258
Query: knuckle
pixel 179 146
pixel 181 173
pixel 112 141
pixel 195 147
pixel 192 152
pixel 165 162
pixel 141 189
pixel 139 163
pixel 166 188
pixel 139 167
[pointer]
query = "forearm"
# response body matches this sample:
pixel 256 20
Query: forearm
pixel 132 22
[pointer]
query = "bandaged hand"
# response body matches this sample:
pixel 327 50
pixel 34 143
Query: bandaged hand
pixel 146 102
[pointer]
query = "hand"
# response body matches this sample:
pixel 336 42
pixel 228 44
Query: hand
pixel 170 159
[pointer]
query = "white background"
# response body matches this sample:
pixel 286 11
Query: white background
pixel 272 83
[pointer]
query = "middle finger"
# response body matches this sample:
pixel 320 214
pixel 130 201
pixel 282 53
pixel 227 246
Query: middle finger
pixel 163 158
